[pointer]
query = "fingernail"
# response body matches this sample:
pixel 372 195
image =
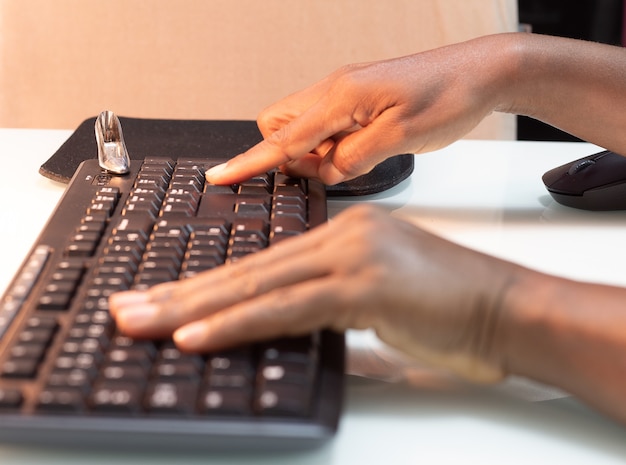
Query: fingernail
pixel 137 316
pixel 190 336
pixel 127 299
pixel 214 172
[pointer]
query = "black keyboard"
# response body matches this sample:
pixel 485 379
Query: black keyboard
pixel 67 376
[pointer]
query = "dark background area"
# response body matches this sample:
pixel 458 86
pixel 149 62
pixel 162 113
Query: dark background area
pixel 596 20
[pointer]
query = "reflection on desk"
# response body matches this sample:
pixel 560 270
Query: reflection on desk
pixel 485 195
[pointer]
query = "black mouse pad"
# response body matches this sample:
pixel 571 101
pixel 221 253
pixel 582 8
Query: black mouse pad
pixel 202 139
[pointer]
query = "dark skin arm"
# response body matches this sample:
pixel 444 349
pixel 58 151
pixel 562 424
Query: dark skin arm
pixel 481 317
pixel 358 116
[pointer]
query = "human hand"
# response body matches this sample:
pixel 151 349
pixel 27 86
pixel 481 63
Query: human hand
pixel 362 114
pixel 432 299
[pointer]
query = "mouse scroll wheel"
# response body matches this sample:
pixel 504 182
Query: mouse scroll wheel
pixel 581 165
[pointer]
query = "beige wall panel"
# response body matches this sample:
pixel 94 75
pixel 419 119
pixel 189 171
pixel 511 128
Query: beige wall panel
pixel 64 60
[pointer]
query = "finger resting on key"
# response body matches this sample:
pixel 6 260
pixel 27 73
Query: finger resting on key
pixel 286 311
pixel 160 310
pixel 260 158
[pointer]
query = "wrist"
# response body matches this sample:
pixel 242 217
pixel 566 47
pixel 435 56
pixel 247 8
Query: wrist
pixel 510 55
pixel 529 324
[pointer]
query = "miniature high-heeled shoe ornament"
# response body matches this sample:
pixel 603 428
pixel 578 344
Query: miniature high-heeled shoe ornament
pixel 112 153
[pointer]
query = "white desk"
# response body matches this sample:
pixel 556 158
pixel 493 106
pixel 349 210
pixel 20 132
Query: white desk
pixel 487 195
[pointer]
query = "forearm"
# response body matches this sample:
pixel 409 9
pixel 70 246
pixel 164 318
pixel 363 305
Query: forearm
pixel 577 86
pixel 568 334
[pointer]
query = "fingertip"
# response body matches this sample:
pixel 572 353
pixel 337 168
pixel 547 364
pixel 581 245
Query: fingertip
pixel 121 300
pixel 191 337
pixel 138 318
pixel 215 174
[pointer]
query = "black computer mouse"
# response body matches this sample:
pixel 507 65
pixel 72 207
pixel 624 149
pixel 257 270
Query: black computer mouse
pixel 594 182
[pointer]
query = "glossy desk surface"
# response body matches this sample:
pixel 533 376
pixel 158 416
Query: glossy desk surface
pixel 484 194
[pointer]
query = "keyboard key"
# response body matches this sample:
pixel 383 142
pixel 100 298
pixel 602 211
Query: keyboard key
pixel 116 397
pixel 28 351
pixel 172 397
pixel 258 207
pixel 80 248
pixel 61 399
pixel 20 368
pixel 115 372
pixel 71 379
pixel 55 301
pixel 216 205
pixel 284 400
pixel 226 402
pixel 10 398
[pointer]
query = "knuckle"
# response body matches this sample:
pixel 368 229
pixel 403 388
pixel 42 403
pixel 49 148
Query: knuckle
pixel 164 293
pixel 349 161
pixel 272 117
pixel 248 280
pixel 281 140
pixel 264 118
